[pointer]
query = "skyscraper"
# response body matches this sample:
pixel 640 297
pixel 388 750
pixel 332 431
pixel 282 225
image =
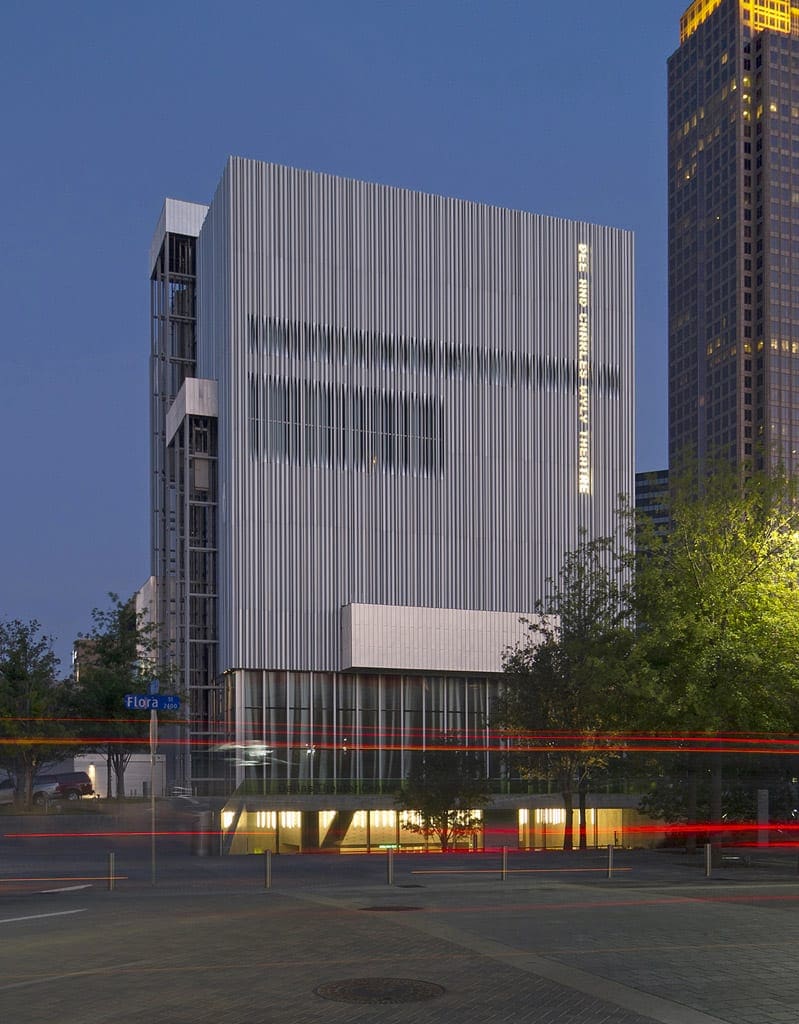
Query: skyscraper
pixel 380 419
pixel 652 498
pixel 733 143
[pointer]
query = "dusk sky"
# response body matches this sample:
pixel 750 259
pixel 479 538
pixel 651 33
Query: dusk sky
pixel 553 107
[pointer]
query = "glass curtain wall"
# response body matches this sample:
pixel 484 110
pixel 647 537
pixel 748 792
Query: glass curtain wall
pixel 345 733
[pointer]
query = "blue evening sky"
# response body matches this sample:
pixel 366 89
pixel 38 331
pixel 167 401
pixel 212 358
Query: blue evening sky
pixel 553 107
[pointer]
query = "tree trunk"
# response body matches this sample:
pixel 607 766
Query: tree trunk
pixel 716 810
pixel 568 830
pixel 691 805
pixel 119 771
pixel 716 779
pixel 583 795
pixel 25 790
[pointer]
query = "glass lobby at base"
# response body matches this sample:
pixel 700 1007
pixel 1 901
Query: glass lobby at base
pixel 247 830
pixel 319 757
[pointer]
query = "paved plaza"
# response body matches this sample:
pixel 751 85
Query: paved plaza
pixel 449 941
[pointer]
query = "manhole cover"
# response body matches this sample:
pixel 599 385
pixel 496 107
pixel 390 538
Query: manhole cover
pixel 379 990
pixel 390 909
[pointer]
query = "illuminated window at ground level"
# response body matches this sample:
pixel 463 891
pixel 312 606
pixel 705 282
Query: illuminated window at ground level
pixel 550 816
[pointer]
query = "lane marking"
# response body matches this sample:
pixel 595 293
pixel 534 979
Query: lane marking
pixel 67 888
pixel 74 974
pixel 58 878
pixel 36 917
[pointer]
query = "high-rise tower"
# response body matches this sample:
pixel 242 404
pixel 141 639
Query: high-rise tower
pixel 733 128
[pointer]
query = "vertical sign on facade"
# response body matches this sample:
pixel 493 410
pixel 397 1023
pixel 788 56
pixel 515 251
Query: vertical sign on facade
pixel 583 370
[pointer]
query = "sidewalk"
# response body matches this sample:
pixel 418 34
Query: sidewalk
pixel 554 942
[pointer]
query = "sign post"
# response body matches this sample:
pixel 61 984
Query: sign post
pixel 153 689
pixel 153 748
pixel 152 701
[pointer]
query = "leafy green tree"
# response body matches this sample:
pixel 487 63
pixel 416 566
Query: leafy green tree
pixel 32 705
pixel 564 685
pixel 444 788
pixel 670 782
pixel 116 658
pixel 717 605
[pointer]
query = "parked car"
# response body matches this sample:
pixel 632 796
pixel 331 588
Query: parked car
pixel 62 786
pixel 44 788
pixel 7 791
pixel 73 785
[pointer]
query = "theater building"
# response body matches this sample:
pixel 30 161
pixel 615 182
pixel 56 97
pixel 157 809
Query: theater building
pixel 379 419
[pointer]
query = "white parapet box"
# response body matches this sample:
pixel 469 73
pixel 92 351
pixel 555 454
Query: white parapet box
pixel 413 639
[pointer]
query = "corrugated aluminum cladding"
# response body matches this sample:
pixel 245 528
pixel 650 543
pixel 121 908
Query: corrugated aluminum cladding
pixel 413 392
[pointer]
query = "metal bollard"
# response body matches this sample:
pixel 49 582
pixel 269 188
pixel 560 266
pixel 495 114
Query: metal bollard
pixel 267 869
pixel 610 860
pixel 708 860
pixel 111 877
pixel 504 874
pixel 389 867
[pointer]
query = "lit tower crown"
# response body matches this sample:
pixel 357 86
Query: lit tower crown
pixel 777 15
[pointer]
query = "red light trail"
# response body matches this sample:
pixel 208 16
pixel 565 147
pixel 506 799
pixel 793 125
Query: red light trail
pixel 317 738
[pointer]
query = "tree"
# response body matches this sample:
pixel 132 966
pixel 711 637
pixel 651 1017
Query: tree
pixel 444 788
pixel 717 605
pixel 744 775
pixel 563 686
pixel 32 704
pixel 116 658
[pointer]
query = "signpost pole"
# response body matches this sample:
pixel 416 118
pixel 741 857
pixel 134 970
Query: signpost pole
pixel 153 748
pixel 152 701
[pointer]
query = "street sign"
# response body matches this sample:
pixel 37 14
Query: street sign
pixel 154 702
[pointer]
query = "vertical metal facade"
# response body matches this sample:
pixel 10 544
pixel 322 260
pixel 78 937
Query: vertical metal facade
pixel 421 402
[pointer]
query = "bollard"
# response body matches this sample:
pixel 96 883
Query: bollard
pixel 389 867
pixel 267 869
pixel 610 860
pixel 708 860
pixel 111 878
pixel 504 863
